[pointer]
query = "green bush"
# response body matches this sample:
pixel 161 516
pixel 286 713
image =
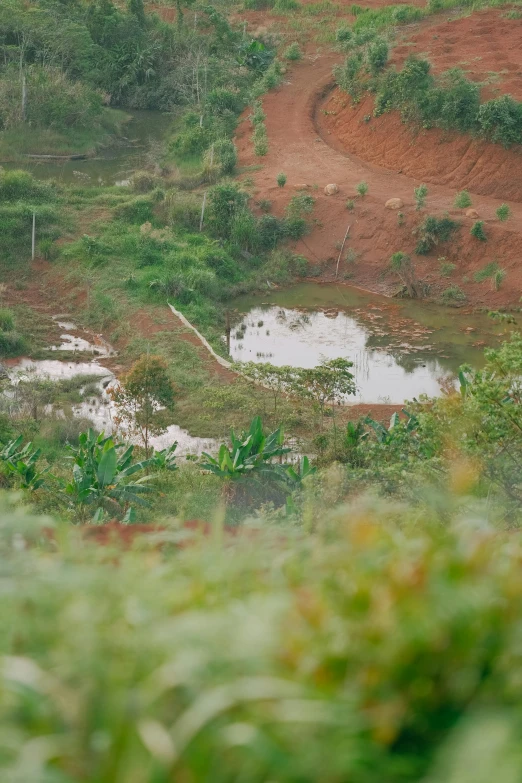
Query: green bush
pixel 477 231
pixel 500 120
pixel 420 195
pixel 377 56
pixel 362 188
pixel 487 272
pixel 503 212
pixel 453 295
pixel 462 200
pixel 18 185
pixel 136 210
pixel 225 155
pixel 7 323
pixel 281 179
pixel 293 52
pixel 12 344
pixel 433 230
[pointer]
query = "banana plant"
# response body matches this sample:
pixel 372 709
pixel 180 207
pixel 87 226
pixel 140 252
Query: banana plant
pixel 165 459
pixel 100 476
pixel 250 454
pixel 298 473
pixel 21 462
pixel 386 435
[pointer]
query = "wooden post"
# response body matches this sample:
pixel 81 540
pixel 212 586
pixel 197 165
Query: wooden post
pixel 33 237
pixel 212 155
pixel 341 252
pixel 203 211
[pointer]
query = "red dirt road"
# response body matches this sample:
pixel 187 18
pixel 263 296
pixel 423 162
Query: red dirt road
pixel 310 149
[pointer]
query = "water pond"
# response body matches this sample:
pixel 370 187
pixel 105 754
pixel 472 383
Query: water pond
pixel 112 165
pixel 400 349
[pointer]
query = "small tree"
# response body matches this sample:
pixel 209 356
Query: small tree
pixel 281 179
pixel 503 212
pixel 477 231
pixel 143 399
pixel 277 379
pixel 420 194
pixel 362 188
pixel 462 200
pixel 328 383
pixel 401 264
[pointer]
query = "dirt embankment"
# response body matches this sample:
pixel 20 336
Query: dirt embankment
pixel 454 160
pixel 313 149
pixel 485 45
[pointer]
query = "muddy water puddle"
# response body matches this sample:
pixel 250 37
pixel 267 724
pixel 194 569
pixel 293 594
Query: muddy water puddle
pixel 400 349
pixel 113 165
pixel 98 407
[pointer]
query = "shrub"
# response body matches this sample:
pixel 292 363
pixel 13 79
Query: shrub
pixel 225 155
pixel 350 204
pixel 462 200
pixel 453 295
pixel 377 56
pixel 48 250
pixel 485 273
pixel 136 210
pixel 362 188
pixel 447 269
pixel 224 202
pixel 261 146
pixel 500 120
pixel 293 52
pixel 432 231
pixel 7 323
pixel 299 205
pixel 420 194
pixel 347 76
pixel 503 212
pixel 343 34
pixel 11 344
pixel 18 185
pixel 281 179
pixel 143 182
pixel 477 231
pixel 498 278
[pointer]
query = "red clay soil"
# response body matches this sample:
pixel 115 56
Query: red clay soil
pixel 304 144
pixel 486 45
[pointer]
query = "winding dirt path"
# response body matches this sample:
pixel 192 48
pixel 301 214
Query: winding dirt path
pixel 302 146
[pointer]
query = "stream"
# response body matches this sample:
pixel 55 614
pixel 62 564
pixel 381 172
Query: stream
pixel 400 349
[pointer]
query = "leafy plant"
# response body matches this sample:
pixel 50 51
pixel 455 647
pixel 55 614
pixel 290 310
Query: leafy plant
pixel 362 188
pixel 463 200
pixel 477 231
pixel 350 204
pixel 486 272
pixel 102 477
pixel 498 278
pixel 420 194
pixel 503 212
pixel 453 295
pixel 281 179
pixel 433 230
pixel 293 52
pixel 20 462
pixel 249 455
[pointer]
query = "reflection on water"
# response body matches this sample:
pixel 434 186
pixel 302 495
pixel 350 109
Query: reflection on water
pixel 399 349
pixel 111 166
pixel 99 409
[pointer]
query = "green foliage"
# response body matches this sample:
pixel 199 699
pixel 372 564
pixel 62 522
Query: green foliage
pixel 7 323
pixel 452 295
pixel 281 179
pixel 500 120
pixel 250 455
pixel 136 210
pixel 420 195
pixel 433 230
pixel 101 481
pixel 224 203
pixel 362 188
pixel 143 398
pixel 447 269
pixel 377 56
pixel 477 231
pixel 503 212
pixel 293 52
pixel 462 200
pixel 18 185
pixel 350 204
pixel 20 463
pixel 347 76
pixel 487 272
pixel 498 278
